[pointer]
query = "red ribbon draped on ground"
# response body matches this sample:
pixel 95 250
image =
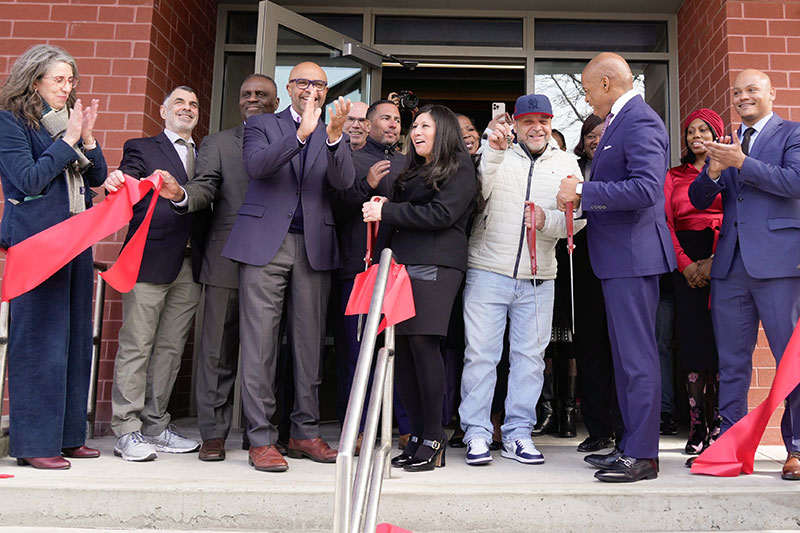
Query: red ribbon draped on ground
pixel 734 452
pixel 38 257
pixel 398 303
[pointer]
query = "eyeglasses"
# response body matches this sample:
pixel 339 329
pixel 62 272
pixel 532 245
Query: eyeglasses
pixel 355 119
pixel 61 81
pixel 303 84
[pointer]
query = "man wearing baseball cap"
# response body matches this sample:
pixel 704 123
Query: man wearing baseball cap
pixel 500 282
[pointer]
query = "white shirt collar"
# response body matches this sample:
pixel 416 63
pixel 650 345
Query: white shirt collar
pixel 758 126
pixel 621 101
pixel 172 136
pixel 295 116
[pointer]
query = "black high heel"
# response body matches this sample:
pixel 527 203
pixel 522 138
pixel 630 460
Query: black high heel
pixel 404 458
pixel 435 460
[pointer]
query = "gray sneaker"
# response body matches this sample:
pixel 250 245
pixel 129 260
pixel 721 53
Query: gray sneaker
pixel 133 447
pixel 170 441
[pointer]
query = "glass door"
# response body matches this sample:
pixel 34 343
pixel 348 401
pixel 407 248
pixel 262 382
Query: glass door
pixel 285 39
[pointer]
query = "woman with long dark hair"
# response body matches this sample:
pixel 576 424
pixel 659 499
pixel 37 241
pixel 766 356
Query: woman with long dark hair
pixel 429 211
pixel 694 236
pixel 48 160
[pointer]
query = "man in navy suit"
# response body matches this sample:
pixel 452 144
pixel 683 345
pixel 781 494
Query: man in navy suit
pixel 159 312
pixel 629 247
pixel 284 239
pixel 755 273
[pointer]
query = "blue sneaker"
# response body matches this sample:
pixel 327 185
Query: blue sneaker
pixel 478 452
pixel 522 450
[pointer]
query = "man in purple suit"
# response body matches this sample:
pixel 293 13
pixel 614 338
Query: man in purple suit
pixel 284 239
pixel 629 247
pixel 755 273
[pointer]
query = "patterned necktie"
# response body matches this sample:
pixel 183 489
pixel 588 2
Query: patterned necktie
pixel 746 140
pixel 189 156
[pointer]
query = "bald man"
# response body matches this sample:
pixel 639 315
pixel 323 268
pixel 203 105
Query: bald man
pixel 356 125
pixel 284 240
pixel 755 273
pixel 629 247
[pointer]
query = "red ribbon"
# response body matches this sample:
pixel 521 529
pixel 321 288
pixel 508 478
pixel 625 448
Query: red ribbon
pixel 532 237
pixel 398 303
pixel 734 452
pixel 38 257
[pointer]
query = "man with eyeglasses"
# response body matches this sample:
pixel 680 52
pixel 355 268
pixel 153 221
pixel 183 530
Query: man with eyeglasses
pixel 356 125
pixel 221 179
pixel 284 240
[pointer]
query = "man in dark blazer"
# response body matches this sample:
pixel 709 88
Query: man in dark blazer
pixel 629 247
pixel 220 178
pixel 285 241
pixel 755 273
pixel 158 313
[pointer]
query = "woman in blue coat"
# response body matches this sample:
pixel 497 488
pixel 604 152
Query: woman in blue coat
pixel 49 159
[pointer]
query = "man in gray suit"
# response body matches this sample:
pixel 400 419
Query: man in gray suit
pixel 220 178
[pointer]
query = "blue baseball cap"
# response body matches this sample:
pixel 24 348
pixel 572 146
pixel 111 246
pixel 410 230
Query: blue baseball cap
pixel 532 103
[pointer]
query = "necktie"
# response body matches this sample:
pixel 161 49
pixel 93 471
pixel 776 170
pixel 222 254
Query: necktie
pixel 189 157
pixel 746 140
pixel 606 122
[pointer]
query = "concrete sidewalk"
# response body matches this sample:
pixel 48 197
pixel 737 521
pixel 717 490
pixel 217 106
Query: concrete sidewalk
pixel 178 492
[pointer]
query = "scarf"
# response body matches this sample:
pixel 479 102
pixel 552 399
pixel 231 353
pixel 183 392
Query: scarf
pixel 55 122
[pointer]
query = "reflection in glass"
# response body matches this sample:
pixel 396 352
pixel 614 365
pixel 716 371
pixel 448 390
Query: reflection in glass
pixel 242 27
pixel 450 31
pixel 238 65
pixel 351 25
pixel 600 36
pixel 561 82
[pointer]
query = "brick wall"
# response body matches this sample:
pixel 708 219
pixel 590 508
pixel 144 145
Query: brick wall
pixel 129 54
pixel 717 40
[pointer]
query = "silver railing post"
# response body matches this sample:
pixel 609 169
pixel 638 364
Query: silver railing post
pixel 97 338
pixel 4 320
pixel 351 490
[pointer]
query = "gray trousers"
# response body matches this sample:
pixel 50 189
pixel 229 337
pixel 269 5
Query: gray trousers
pixel 217 362
pixel 156 319
pixel 261 294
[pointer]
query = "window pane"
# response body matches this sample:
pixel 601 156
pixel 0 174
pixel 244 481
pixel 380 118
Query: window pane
pixel 242 27
pixel 601 36
pixel 561 82
pixel 350 25
pixel 448 31
pixel 238 65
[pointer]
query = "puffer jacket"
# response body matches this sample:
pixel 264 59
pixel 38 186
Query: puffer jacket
pixel 509 178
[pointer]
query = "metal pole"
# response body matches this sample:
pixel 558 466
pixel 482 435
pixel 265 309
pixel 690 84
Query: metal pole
pixel 4 320
pixel 388 399
pixel 97 337
pixel 347 444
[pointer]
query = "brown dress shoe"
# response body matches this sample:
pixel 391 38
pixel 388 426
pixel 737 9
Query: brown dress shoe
pixel 212 450
pixel 267 459
pixel 315 449
pixel 80 452
pixel 791 468
pixel 45 463
pixel 402 442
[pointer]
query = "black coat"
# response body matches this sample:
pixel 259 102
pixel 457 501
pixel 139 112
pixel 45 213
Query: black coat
pixel 430 226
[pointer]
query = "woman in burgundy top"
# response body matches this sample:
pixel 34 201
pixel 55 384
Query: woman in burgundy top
pixel 694 236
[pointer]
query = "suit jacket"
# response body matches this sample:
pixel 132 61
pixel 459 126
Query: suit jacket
pixel 431 226
pixel 34 187
pixel 272 160
pixel 219 178
pixel 169 232
pixel 624 201
pixel 760 204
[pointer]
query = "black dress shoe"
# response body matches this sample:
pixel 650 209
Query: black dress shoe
pixel 603 461
pixel 667 425
pixel 399 461
pixel 430 455
pixel 629 469
pixel 495 445
pixel 592 444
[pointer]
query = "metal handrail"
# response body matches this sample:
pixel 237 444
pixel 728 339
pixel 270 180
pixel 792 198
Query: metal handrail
pixel 3 358
pixel 357 494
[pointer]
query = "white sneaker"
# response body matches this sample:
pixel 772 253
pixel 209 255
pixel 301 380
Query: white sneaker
pixel 522 450
pixel 170 441
pixel 478 452
pixel 134 447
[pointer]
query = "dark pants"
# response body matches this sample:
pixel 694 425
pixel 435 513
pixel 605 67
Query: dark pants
pixel 420 383
pixel 49 362
pixel 631 305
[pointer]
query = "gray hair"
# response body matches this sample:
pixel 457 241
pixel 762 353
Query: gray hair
pixel 18 94
pixel 179 87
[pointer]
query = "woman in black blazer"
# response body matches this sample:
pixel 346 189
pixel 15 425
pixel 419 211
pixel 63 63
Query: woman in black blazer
pixel 429 211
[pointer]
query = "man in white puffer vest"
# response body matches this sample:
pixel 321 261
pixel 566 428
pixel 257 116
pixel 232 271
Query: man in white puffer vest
pixel 500 284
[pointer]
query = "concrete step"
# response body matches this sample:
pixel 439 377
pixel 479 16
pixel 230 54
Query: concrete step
pixel 178 492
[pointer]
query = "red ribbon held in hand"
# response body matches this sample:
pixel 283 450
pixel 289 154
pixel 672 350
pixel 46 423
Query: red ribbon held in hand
pixel 38 257
pixel 398 303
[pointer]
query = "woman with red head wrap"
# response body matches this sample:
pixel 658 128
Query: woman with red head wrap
pixel 694 236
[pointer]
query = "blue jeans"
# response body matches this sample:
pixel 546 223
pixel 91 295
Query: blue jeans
pixel 489 300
